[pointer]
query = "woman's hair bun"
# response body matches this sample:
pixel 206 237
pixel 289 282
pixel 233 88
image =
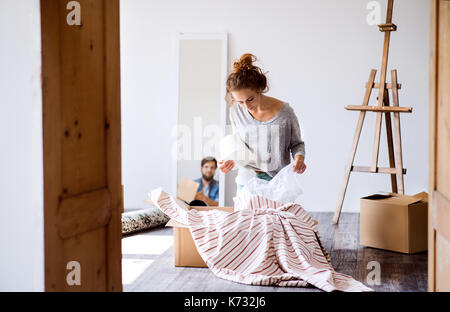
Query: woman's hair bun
pixel 245 62
pixel 245 75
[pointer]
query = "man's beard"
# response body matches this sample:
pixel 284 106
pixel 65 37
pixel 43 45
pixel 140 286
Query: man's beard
pixel 209 179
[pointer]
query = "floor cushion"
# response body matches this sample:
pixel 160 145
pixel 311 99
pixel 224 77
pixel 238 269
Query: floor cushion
pixel 142 219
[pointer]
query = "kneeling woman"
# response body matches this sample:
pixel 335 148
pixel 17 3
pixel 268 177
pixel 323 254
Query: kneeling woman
pixel 268 126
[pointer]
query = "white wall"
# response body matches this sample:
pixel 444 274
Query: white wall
pixel 318 54
pixel 21 178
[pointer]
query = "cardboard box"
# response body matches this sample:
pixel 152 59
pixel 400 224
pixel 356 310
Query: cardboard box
pixel 394 222
pixel 184 249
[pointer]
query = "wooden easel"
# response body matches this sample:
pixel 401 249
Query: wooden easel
pixel 396 169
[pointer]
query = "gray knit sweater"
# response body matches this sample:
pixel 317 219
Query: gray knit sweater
pixel 272 141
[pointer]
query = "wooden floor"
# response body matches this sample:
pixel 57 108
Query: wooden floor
pixel 148 262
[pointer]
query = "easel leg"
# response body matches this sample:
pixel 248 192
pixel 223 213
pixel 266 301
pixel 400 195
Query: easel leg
pixel 348 167
pixel 351 157
pixel 387 116
pixel 398 140
pixel 376 143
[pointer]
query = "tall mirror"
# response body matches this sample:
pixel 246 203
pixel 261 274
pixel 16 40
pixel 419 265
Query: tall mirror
pixel 202 70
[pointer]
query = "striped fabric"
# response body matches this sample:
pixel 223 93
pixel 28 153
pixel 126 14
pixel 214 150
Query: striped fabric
pixel 261 243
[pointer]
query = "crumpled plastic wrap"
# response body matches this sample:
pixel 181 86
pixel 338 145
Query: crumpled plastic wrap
pixel 285 187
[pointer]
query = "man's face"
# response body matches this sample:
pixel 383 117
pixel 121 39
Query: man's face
pixel 208 170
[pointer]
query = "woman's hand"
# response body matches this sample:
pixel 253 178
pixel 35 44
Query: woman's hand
pixel 299 165
pixel 226 166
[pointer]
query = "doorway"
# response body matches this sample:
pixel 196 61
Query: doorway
pixel 82 143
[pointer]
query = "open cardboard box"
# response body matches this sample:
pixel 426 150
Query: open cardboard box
pixel 394 222
pixel 184 249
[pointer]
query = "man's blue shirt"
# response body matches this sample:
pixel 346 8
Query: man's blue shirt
pixel 213 189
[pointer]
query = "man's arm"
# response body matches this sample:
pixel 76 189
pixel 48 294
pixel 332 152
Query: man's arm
pixel 201 196
pixel 211 202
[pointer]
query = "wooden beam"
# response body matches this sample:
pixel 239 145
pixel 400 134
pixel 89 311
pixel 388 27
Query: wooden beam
pixel 405 109
pixel 387 27
pixel 83 213
pixel 441 214
pixel 384 60
pixel 377 169
pixel 376 85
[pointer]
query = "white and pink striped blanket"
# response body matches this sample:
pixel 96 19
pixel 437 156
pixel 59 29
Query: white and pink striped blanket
pixel 261 243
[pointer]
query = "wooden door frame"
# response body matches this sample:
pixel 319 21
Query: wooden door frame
pixel 51 21
pixel 439 204
pixel 432 133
